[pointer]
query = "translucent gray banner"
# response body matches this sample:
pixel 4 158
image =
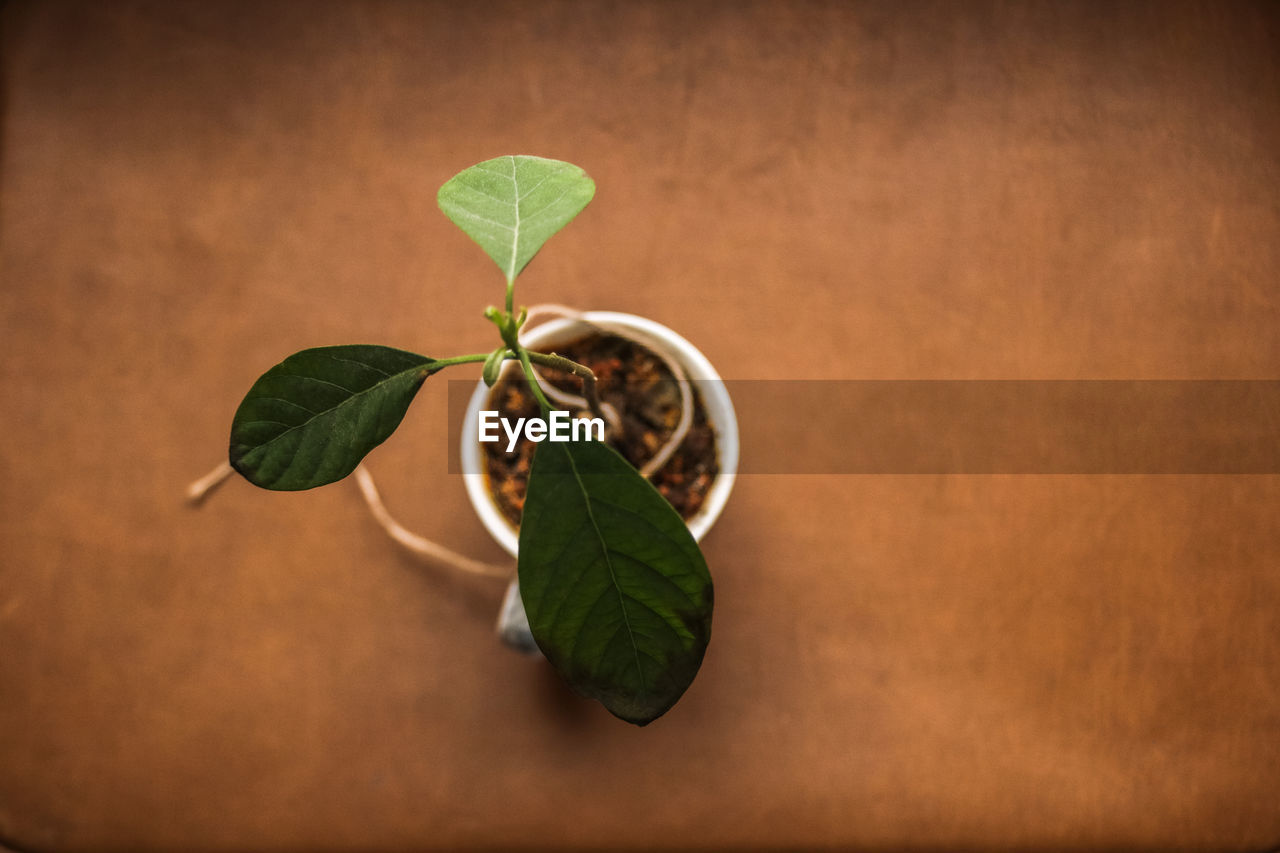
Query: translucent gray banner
pixel 993 426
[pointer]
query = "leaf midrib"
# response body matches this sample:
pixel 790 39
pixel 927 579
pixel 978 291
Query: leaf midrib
pixel 613 578
pixel 515 230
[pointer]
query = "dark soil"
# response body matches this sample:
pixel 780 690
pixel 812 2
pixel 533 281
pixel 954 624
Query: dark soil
pixel 646 396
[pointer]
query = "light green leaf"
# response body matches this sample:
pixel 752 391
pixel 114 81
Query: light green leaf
pixel 309 420
pixel 512 205
pixel 618 595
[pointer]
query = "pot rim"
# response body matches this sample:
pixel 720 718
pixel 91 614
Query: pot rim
pixel 715 399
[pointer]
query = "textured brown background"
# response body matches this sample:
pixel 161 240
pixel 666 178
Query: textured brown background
pixel 192 191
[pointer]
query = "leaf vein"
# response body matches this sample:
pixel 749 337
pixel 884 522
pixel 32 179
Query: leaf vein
pixel 484 219
pixel 515 231
pixel 263 421
pixel 658 531
pixel 556 173
pixel 655 571
pixel 290 402
pixel 604 546
pixel 548 205
pixel 481 167
pixel 341 360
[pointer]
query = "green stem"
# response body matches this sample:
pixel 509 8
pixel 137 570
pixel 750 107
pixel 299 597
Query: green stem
pixel 460 359
pixel 581 371
pixel 533 382
pixel 526 358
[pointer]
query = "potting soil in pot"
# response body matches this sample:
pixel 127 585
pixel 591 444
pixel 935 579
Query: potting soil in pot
pixel 637 383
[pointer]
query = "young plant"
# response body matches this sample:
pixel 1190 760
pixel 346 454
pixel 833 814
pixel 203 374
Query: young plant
pixel 617 592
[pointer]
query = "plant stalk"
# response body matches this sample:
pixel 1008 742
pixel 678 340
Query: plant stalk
pixel 458 359
pixel 589 393
pixel 527 359
pixel 532 379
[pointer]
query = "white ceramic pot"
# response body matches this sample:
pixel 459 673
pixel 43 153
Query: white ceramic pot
pixel 513 625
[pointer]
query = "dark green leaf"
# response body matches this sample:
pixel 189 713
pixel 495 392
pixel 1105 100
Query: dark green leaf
pixel 309 420
pixel 618 595
pixel 512 205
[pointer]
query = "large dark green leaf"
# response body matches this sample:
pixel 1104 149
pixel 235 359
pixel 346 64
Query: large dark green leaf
pixel 512 205
pixel 309 420
pixel 618 595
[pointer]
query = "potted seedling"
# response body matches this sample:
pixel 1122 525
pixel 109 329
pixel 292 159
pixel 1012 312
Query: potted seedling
pixel 616 591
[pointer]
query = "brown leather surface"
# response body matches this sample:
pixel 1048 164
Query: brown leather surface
pixel 845 191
